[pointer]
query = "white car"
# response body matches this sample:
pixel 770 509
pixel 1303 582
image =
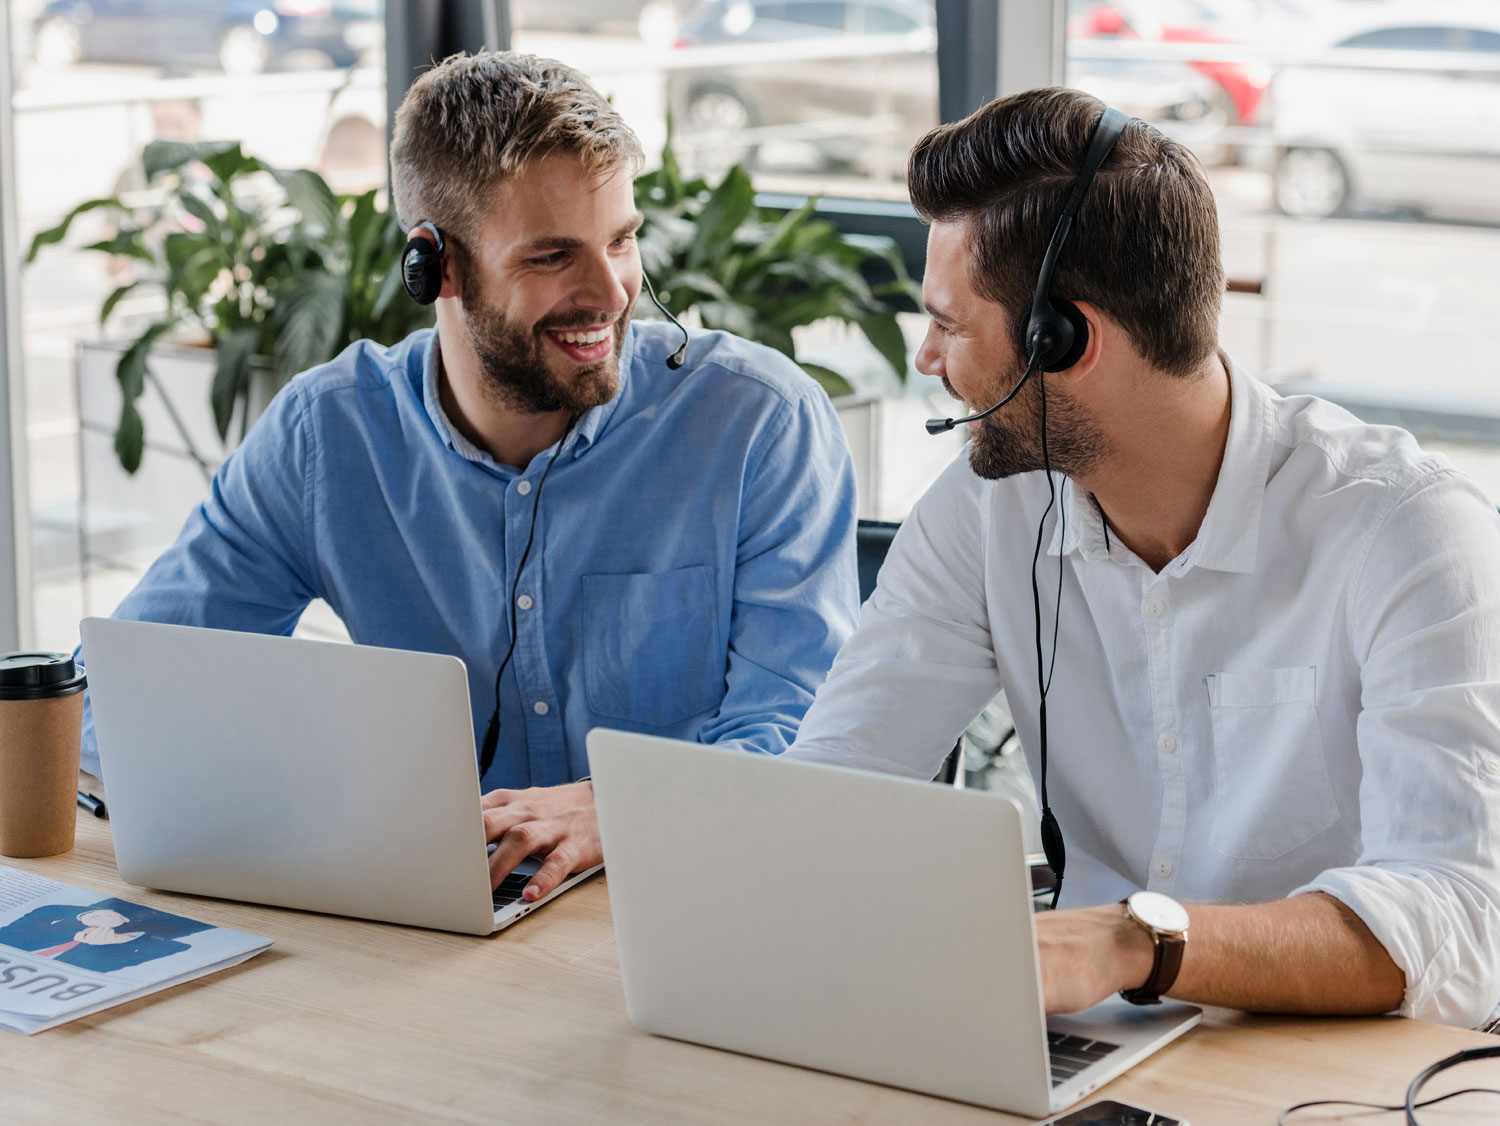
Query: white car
pixel 1411 119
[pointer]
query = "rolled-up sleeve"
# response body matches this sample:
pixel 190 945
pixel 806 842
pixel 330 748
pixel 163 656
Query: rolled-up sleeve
pixel 1425 628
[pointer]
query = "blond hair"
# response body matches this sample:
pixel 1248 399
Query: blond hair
pixel 473 121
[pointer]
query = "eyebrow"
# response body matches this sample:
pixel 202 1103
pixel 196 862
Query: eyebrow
pixel 563 242
pixel 936 313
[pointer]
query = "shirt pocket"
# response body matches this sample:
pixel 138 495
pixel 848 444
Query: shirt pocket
pixel 652 653
pixel 1272 792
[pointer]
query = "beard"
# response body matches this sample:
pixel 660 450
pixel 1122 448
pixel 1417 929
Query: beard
pixel 513 360
pixel 1009 441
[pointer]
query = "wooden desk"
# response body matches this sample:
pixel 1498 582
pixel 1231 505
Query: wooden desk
pixel 345 1021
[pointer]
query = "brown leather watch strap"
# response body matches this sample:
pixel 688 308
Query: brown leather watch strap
pixel 1164 969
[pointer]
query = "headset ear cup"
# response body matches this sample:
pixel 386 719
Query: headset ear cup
pixel 1072 315
pixel 422 270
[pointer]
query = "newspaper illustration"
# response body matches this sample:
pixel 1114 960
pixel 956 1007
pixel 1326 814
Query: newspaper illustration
pixel 66 952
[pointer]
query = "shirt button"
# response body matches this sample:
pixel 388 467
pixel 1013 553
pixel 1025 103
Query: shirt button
pixel 540 707
pixel 523 487
pixel 1154 608
pixel 524 602
pixel 1166 743
pixel 1491 764
pixel 1164 869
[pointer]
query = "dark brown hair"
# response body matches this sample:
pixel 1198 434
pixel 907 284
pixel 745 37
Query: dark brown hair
pixel 473 120
pixel 1144 247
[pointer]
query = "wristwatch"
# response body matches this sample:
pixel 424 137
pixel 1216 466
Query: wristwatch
pixel 1166 921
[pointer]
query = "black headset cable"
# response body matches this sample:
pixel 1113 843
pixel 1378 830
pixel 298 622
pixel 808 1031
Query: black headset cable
pixel 492 731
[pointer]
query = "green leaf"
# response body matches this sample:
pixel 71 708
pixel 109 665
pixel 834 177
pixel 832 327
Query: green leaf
pixel 389 288
pixel 834 383
pixel 200 210
pixel 726 209
pixel 56 234
pixel 171 156
pixel 310 195
pixel 699 282
pixel 130 373
pixel 884 332
pixel 229 162
pixel 231 383
pixel 114 299
pixel 126 243
pixel 130 438
pixel 307 318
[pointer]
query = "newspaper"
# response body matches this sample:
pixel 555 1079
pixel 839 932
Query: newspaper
pixel 66 952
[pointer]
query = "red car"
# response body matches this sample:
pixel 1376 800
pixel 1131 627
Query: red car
pixel 1244 85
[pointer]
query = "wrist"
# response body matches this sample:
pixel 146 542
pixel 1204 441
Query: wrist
pixel 1135 950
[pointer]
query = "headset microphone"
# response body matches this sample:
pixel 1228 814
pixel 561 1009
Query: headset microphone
pixel 679 357
pixel 943 425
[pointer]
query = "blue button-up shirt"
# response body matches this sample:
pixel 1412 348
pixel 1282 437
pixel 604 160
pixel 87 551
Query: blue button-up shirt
pixel 693 572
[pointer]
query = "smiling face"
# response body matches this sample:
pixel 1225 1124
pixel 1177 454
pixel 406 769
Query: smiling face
pixel 970 346
pixel 548 293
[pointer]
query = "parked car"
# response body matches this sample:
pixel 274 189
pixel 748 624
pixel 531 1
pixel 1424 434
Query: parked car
pixel 239 36
pixel 653 21
pixel 863 103
pixel 1240 86
pixel 1421 132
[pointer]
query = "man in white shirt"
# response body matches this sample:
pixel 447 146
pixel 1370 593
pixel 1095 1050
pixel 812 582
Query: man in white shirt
pixel 1277 659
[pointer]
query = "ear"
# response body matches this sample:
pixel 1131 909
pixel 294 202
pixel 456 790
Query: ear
pixel 452 273
pixel 1101 337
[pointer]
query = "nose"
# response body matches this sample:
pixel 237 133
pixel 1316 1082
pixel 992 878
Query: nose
pixel 929 357
pixel 609 285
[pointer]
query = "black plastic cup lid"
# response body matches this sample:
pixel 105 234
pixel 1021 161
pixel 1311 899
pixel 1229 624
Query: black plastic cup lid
pixel 39 676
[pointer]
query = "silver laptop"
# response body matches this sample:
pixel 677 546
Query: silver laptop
pixel 851 922
pixel 311 774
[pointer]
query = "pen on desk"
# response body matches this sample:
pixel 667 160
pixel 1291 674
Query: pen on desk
pixel 93 805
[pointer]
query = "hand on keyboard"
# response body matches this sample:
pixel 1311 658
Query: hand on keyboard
pixel 556 823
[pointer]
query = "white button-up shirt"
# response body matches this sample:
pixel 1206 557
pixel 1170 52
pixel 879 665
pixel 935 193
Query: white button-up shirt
pixel 1308 698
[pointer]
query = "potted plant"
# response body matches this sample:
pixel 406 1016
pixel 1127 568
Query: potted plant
pixel 267 266
pixel 761 274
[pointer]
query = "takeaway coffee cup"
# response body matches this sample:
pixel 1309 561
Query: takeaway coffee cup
pixel 41 720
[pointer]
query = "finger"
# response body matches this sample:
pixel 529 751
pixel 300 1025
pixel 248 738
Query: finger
pixel 554 870
pixel 531 837
pixel 497 798
pixel 502 819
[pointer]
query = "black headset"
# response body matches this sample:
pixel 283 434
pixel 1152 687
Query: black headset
pixel 1055 337
pixel 422 274
pixel 422 264
pixel 1056 331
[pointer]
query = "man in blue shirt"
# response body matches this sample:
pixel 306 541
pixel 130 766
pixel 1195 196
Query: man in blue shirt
pixel 690 571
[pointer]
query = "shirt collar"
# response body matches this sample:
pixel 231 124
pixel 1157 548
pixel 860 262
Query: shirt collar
pixel 1229 536
pixel 585 434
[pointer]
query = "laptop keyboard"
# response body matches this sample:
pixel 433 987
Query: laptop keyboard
pixel 1071 1054
pixel 509 890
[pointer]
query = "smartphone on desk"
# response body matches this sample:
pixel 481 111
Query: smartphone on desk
pixel 1111 1112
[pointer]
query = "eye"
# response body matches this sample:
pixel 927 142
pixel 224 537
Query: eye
pixel 556 258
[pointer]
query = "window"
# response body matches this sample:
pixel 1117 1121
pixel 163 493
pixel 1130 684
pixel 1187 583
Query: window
pixel 1363 195
pixel 303 87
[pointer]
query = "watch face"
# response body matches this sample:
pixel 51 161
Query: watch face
pixel 1159 912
